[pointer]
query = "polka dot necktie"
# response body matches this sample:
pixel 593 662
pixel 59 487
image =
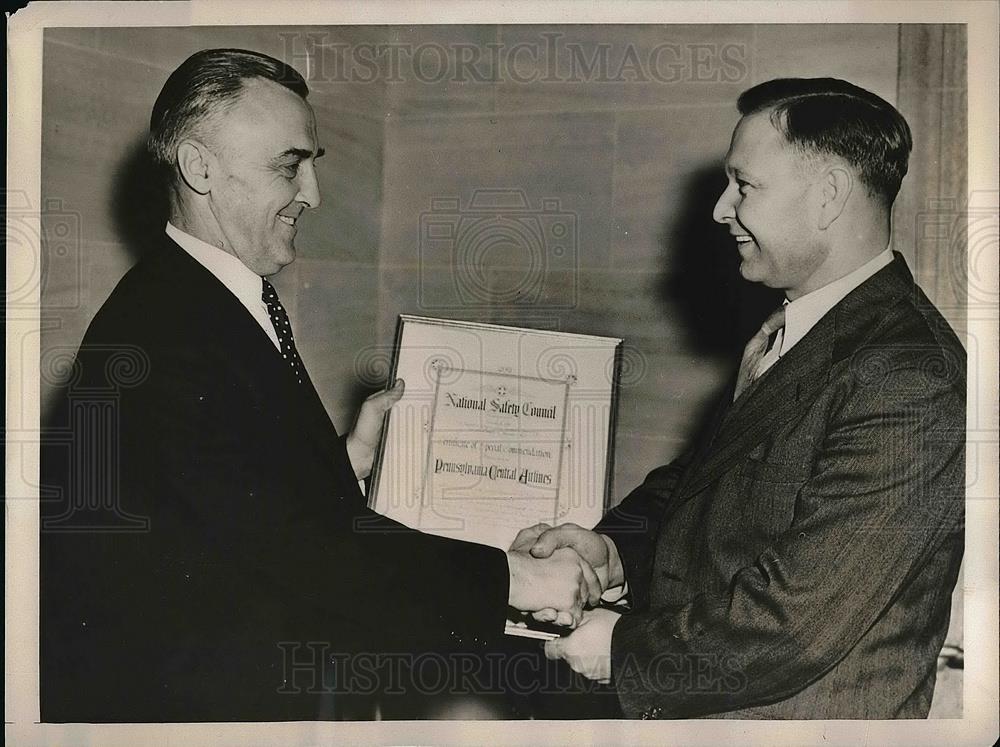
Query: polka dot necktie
pixel 283 328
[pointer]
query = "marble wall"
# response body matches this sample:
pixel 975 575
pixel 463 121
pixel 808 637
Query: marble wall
pixel 618 129
pixel 632 152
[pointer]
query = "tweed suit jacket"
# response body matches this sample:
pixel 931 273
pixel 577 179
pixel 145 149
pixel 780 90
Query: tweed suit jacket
pixel 798 562
pixel 205 531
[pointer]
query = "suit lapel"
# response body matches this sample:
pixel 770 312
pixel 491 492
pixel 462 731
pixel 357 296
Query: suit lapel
pixel 249 344
pixel 798 377
pixel 788 387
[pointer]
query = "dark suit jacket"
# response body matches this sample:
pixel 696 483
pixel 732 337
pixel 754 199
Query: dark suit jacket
pixel 799 562
pixel 204 526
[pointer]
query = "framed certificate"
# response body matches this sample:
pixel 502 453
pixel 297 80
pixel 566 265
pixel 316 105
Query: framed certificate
pixel 500 428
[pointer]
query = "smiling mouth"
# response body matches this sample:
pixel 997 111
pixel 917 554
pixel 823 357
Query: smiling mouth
pixel 743 239
pixel 286 219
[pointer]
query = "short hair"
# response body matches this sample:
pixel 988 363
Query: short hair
pixel 834 117
pixel 205 85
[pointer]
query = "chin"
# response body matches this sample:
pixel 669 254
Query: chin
pixel 283 255
pixel 756 275
pixel 748 271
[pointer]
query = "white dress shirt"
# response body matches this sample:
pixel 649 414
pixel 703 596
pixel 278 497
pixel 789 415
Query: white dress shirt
pixel 802 314
pixel 239 279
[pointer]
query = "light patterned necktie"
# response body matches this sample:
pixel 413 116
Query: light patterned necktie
pixel 754 352
pixel 283 328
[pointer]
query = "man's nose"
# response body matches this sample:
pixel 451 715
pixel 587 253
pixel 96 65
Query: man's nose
pixel 724 210
pixel 308 188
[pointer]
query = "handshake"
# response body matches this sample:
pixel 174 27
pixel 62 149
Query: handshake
pixel 557 572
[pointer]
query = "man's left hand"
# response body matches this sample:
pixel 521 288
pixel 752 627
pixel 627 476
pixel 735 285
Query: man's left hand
pixel 588 648
pixel 363 438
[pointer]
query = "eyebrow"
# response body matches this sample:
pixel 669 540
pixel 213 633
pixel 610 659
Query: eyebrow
pixel 302 153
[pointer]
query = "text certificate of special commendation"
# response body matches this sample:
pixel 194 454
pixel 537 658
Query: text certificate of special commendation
pixel 499 428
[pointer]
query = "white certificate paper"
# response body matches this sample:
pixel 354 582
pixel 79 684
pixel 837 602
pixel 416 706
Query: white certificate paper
pixel 495 451
pixel 500 428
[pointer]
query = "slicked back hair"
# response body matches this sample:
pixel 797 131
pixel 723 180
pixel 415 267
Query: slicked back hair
pixel 834 117
pixel 205 85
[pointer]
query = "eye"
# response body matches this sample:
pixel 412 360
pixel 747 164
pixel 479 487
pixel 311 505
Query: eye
pixel 743 186
pixel 291 169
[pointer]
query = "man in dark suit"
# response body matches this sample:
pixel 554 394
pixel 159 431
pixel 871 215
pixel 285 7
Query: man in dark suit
pixel 798 561
pixel 203 529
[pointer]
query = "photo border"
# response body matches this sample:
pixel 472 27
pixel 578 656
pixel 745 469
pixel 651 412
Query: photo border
pixel 25 29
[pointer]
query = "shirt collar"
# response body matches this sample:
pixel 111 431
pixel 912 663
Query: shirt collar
pixel 241 281
pixel 802 314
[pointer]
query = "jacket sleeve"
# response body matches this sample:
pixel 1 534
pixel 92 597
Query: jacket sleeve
pixel 633 525
pixel 885 493
pixel 232 502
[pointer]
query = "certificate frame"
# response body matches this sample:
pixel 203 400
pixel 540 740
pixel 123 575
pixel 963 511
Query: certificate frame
pixel 511 449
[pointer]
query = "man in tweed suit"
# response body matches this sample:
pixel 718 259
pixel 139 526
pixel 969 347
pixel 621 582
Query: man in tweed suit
pixel 798 561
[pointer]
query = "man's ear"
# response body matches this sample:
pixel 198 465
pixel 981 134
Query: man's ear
pixel 836 184
pixel 195 162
